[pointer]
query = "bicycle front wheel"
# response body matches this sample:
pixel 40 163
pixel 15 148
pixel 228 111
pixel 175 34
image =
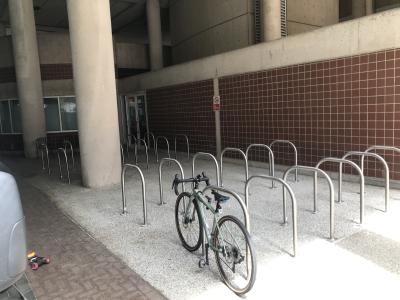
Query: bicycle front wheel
pixel 235 256
pixel 188 223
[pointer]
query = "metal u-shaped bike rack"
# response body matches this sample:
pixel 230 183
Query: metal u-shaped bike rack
pixel 62 150
pixel 385 165
pixel 296 176
pixel 163 160
pixel 187 145
pixel 71 149
pixel 331 195
pixel 198 154
pixel 166 141
pixel 138 141
pixel 246 164
pixel 124 210
pixel 271 159
pixel 148 135
pixel 129 144
pixel 44 150
pixel 285 187
pixel 378 147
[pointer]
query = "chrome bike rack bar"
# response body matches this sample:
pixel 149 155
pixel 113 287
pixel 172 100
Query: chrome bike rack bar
pixel 62 150
pixel 378 147
pixel 138 141
pixel 124 211
pixel 122 155
pixel 331 195
pixel 43 149
pixel 296 178
pixel 166 141
pixel 385 165
pixel 71 149
pixel 271 160
pixel 198 154
pixel 163 160
pixel 341 162
pixel 285 187
pixel 148 135
pixel 187 145
pixel 38 142
pixel 246 166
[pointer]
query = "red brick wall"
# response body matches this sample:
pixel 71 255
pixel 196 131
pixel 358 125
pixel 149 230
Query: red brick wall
pixel 184 109
pixel 48 72
pixel 326 108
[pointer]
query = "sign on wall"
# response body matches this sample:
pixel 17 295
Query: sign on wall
pixel 216 103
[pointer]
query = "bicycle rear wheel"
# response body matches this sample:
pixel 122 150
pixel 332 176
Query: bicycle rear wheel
pixel 235 257
pixel 189 225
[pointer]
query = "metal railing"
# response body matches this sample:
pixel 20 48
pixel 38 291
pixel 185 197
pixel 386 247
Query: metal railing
pixel 167 143
pixel 378 147
pixel 331 195
pixel 62 150
pixel 198 154
pixel 44 150
pixel 271 159
pixel 341 162
pixel 146 148
pixel 124 210
pixel 285 187
pixel 187 145
pixel 71 149
pixel 148 135
pixel 385 165
pixel 246 166
pixel 296 176
pixel 163 160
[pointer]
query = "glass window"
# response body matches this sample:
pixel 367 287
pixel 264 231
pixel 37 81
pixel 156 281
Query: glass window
pixel 16 116
pixel 52 114
pixel 68 113
pixel 5 117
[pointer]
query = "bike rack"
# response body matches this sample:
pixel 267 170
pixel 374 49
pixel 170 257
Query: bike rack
pixel 296 176
pixel 66 163
pixel 215 162
pixel 41 148
pixel 166 141
pixel 138 141
pixel 124 211
pixel 71 149
pixel 148 135
pixel 38 143
pixel 285 186
pixel 163 160
pixel 187 145
pixel 331 195
pixel 377 147
pixel 271 160
pixel 385 165
pixel 244 157
pixel 122 155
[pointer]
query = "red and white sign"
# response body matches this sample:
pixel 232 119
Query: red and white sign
pixel 216 103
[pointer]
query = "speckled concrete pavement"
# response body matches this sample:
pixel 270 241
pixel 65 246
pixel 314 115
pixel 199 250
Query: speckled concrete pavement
pixel 363 261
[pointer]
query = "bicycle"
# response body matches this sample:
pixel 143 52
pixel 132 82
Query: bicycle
pixel 229 238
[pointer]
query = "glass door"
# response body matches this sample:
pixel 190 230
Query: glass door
pixel 136 115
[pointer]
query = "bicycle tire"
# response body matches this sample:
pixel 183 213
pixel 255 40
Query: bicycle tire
pixel 250 254
pixel 196 215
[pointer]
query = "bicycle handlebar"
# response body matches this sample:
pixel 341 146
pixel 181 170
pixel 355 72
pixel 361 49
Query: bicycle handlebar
pixel 196 181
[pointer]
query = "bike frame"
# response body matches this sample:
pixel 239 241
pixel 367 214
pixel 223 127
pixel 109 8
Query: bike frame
pixel 199 197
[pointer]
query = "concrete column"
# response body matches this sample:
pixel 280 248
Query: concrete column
pixel 271 20
pixel 95 89
pixel 369 10
pixel 358 8
pixel 27 71
pixel 154 34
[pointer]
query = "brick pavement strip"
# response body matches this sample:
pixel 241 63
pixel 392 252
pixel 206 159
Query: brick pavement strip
pixel 81 267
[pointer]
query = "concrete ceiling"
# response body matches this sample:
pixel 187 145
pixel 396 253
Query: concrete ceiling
pixel 52 14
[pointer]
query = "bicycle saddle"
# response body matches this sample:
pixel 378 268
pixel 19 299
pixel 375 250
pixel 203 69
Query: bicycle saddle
pixel 220 198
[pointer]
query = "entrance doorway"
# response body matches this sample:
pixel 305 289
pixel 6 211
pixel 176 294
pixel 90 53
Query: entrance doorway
pixel 136 115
